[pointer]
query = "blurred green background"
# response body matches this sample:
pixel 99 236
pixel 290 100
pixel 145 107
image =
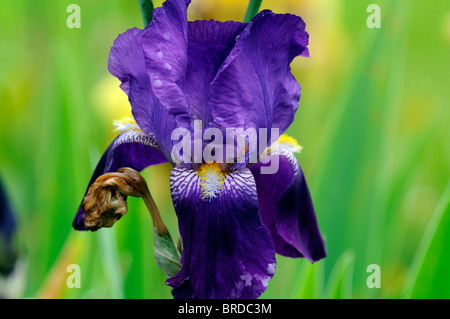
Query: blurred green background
pixel 373 121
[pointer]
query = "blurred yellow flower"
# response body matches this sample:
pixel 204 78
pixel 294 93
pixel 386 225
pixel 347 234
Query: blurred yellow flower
pixel 110 101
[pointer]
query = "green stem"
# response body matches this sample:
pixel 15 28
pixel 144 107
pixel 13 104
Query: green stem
pixel 146 7
pixel 252 10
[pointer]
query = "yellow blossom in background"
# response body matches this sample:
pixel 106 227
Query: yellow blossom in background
pixel 109 100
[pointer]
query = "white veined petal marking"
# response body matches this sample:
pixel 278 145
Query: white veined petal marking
pixel 211 179
pixel 130 132
pixel 186 182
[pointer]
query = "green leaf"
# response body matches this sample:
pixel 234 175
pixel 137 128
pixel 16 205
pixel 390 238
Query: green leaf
pixel 340 282
pixel 309 283
pixel 252 10
pixel 146 7
pixel 111 262
pixel 429 276
pixel 166 254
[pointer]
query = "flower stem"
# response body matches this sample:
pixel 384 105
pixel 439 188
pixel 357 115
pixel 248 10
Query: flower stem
pixel 146 7
pixel 158 223
pixel 252 10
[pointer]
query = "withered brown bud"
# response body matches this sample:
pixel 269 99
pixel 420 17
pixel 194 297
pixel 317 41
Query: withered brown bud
pixel 106 199
pixel 104 205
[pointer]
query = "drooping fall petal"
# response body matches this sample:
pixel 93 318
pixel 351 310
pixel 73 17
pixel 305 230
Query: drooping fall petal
pixel 287 209
pixel 227 251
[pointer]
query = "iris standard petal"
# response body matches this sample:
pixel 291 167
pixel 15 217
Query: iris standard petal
pixel 130 149
pixel 287 209
pixel 164 43
pixel 255 87
pixel 209 43
pixel 127 63
pixel 227 251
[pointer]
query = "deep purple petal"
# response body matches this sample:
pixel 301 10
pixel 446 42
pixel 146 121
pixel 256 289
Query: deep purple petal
pixel 227 251
pixel 209 43
pixel 287 210
pixel 7 220
pixel 127 63
pixel 164 44
pixel 8 251
pixel 131 149
pixel 255 87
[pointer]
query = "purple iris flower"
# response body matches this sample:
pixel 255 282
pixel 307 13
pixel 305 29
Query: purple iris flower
pixel 228 75
pixel 8 248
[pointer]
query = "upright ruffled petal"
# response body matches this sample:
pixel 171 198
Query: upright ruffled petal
pixel 255 87
pixel 183 58
pixel 132 149
pixel 227 251
pixel 165 45
pixel 287 210
pixel 209 43
pixel 127 63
